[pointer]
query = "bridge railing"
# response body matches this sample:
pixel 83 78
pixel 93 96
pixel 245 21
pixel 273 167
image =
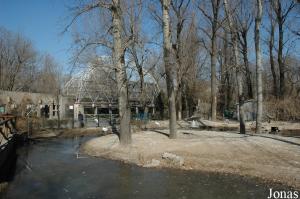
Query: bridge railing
pixel 7 127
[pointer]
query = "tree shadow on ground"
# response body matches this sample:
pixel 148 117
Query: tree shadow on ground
pixel 243 136
pixel 160 132
pixel 278 139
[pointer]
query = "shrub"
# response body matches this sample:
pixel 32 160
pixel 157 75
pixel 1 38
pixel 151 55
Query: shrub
pixel 287 109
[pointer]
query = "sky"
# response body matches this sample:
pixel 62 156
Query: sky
pixel 42 22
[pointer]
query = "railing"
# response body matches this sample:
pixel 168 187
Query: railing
pixel 98 119
pixel 9 140
pixel 7 127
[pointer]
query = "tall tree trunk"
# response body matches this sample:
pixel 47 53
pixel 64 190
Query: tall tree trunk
pixel 222 84
pixel 178 52
pixel 259 89
pixel 139 67
pixel 280 21
pixel 141 74
pixel 186 104
pixel 281 18
pixel 179 102
pixel 179 72
pixel 214 27
pixel 271 57
pixel 246 63
pixel 237 68
pixel 239 77
pixel 121 77
pixel 229 91
pixel 170 71
pixel 280 60
pixel 213 77
pixel 224 72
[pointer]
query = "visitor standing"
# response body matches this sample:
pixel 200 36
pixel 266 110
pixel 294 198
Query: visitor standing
pixel 80 119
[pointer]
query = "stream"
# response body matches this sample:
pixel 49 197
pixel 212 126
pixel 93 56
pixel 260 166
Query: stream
pixel 54 169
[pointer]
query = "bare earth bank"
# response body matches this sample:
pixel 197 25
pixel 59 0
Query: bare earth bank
pixel 272 158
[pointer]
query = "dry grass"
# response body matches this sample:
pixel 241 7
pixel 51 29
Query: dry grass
pixel 284 110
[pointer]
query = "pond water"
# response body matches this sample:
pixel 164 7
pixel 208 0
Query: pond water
pixel 52 169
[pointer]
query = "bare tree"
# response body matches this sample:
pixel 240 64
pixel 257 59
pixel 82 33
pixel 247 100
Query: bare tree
pixel 215 24
pixel 17 61
pixel 226 91
pixel 234 35
pixel 49 73
pixel 136 49
pixel 120 43
pixel 282 10
pixel 119 61
pixel 170 68
pixel 140 54
pixel 271 41
pixel 259 87
pixel 191 65
pixel 180 9
pixel 244 19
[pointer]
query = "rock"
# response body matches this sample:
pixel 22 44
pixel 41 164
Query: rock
pixel 173 158
pixel 153 163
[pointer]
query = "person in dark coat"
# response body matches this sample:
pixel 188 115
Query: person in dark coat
pixel 80 119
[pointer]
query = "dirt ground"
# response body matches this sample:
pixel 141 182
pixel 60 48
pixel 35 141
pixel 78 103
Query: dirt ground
pixel 270 157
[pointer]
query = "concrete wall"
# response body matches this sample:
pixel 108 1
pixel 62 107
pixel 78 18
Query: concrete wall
pixel 249 109
pixel 20 101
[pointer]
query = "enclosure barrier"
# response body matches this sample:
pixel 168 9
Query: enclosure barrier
pixel 9 141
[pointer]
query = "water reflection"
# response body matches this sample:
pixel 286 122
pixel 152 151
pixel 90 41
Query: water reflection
pixel 53 169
